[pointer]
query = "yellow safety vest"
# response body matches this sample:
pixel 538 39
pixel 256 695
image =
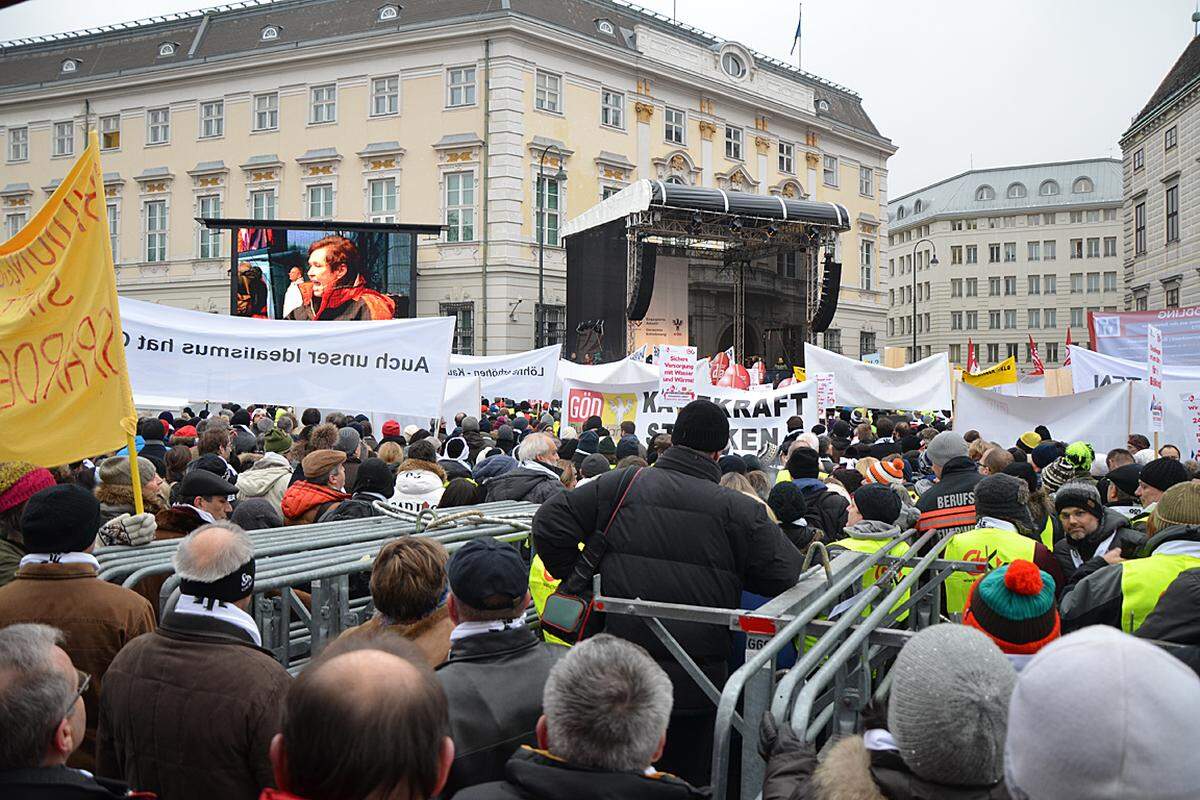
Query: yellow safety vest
pixel 991 546
pixel 1048 533
pixel 870 546
pixel 541 585
pixel 1143 582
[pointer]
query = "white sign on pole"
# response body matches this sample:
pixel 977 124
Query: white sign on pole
pixel 363 366
pixel 1154 358
pixel 676 374
pixel 826 391
pixel 1191 415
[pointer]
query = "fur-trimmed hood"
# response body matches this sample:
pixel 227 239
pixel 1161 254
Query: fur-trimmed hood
pixel 419 485
pixel 845 773
pixel 116 500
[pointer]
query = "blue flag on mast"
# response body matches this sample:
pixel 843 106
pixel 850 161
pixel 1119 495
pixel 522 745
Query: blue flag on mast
pixel 799 19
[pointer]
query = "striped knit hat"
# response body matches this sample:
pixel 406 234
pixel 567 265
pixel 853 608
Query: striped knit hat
pixel 19 481
pixel 1014 605
pixel 888 471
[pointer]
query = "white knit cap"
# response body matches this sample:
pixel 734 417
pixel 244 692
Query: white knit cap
pixel 1100 714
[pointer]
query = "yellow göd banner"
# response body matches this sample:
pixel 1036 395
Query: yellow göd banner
pixel 64 386
pixel 1002 373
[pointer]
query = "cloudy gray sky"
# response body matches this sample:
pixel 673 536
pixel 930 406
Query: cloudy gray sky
pixel 954 83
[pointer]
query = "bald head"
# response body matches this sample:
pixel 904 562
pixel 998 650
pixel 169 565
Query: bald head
pixel 378 686
pixel 212 551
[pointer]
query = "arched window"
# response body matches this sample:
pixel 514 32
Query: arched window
pixel 675 179
pixel 1016 191
pixel 918 207
pixel 822 104
pixel 166 49
pixel 733 65
pixel 1048 188
pixel 985 192
pixel 270 33
pixel 388 12
pixel 606 27
pixel 1082 185
pixel 901 212
pixel 69 65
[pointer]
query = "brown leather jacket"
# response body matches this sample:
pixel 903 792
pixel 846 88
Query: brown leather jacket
pixel 431 634
pixel 97 618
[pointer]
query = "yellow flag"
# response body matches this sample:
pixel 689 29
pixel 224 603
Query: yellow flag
pixel 64 386
pixel 799 374
pixel 1002 373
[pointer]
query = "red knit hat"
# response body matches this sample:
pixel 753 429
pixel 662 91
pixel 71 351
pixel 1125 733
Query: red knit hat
pixel 391 428
pixel 886 472
pixel 20 480
pixel 1014 605
pixel 186 431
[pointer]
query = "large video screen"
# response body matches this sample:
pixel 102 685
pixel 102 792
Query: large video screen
pixel 301 274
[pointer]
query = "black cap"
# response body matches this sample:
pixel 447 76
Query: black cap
pixel 60 519
pixel 488 575
pixel 202 483
pixel 701 425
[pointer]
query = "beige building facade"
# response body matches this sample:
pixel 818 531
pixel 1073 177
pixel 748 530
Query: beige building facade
pixel 428 112
pixel 1020 251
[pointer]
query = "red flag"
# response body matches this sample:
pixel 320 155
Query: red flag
pixel 1067 363
pixel 972 362
pixel 1038 367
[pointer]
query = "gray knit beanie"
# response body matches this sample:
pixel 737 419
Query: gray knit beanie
pixel 347 441
pixel 1004 497
pixel 1101 715
pixel 945 446
pixel 948 708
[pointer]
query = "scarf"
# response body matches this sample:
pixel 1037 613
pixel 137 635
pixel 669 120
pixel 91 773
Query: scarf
pixel 200 512
pixel 215 609
pixel 992 522
pixel 538 466
pixel 60 558
pixel 464 630
pixel 340 295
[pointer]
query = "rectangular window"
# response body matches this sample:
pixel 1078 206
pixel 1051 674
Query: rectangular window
pixel 674 122
pixel 1170 138
pixel 1011 350
pixel 994 287
pixel 866 343
pixel 110 132
pixel 1077 317
pixel 320 201
pixel 1141 301
pixel 13 224
pixel 1173 213
pixel 464 326
pixel 1049 218
pixel 993 222
pixel 1093 215
pixel 1035 284
pixel 956 287
pixel 262 204
pixel 156 230
pixel 18 144
pixel 1139 229
pixel 1035 318
pixel 972 320
pixel 972 224
pixel 787 152
pixel 785 265
pixel 64 139
pixel 733 143
pixel 549 92
pixel 266 112
pixel 993 353
pixel 1093 247
pixel 1093 282
pixel 1010 251
pixel 866 264
pixel 972 287
pixel 1110 215
pixel 956 224
pixel 1110 246
pixel 1049 250
pixel 114 229
pixel 833 340
pixel 1110 281
pixel 1033 219
pixel 1050 284
pixel 1050 349
pixel 1050 317
pixel 210 238
pixel 955 353
pixel 385 96
pixel 1010 285
pixel 551 325
pixel 1010 222
pixel 972 254
pixel 866 181
pixel 612 108
pixel 460 87
pixel 1077 248
pixel 956 320
pixel 381 199
pixel 1076 283
pixel 322 104
pixel 956 254
pixel 1076 217
pixel 548 202
pixel 212 119
pixel 158 126
pixel 829 171
pixel 1035 251
pixel 1171 296
pixel 1139 159
pixel 994 253
pixel 460 207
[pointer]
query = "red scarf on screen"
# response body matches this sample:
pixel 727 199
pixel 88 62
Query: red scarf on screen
pixel 380 305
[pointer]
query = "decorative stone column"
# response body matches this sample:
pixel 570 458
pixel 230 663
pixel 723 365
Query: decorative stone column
pixel 707 131
pixel 763 145
pixel 645 113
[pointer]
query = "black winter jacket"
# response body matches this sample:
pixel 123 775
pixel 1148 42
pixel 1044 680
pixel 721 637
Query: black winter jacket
pixel 949 506
pixel 536 775
pixel 1176 619
pixel 679 538
pixel 827 510
pixel 493 683
pixel 60 783
pixel 1124 537
pixel 360 506
pixel 523 483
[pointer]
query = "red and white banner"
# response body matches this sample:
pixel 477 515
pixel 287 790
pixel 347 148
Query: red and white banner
pixel 1123 334
pixel 1038 367
pixel 1154 377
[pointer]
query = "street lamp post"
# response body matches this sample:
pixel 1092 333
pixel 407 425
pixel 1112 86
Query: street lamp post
pixel 560 177
pixel 933 262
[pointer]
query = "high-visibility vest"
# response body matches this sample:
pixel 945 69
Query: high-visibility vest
pixel 1143 581
pixel 541 585
pixel 992 546
pixel 870 546
pixel 1048 532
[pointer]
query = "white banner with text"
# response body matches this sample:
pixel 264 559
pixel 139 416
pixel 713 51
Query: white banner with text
pixel 528 375
pixel 923 386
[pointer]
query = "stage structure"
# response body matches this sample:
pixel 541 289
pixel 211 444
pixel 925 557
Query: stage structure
pixel 664 263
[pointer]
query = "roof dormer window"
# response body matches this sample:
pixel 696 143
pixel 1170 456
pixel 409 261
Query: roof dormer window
pixel 823 105
pixel 606 27
pixel 388 13
pixel 166 49
pixel 70 65
pixel 270 33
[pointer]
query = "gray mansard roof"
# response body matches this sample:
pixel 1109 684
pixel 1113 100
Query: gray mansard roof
pixel 957 195
pixel 232 31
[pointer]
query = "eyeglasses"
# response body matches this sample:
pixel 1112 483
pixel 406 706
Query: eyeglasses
pixel 85 681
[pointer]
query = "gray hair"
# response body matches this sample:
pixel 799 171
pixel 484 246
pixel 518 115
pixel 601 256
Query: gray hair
pixel 607 704
pixel 33 694
pixel 199 560
pixel 535 446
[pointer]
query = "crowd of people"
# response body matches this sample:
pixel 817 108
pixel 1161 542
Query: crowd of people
pixel 1064 664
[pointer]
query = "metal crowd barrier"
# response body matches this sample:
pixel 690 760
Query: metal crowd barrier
pixel 321 558
pixel 832 683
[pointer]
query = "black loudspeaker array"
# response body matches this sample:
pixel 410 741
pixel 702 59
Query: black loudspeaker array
pixel 643 282
pixel 831 286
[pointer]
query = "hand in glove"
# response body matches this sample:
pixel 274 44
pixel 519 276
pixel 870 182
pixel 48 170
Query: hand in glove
pixel 129 529
pixel 774 738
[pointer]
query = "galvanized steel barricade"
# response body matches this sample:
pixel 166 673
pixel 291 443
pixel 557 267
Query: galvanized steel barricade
pixel 322 557
pixel 825 692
